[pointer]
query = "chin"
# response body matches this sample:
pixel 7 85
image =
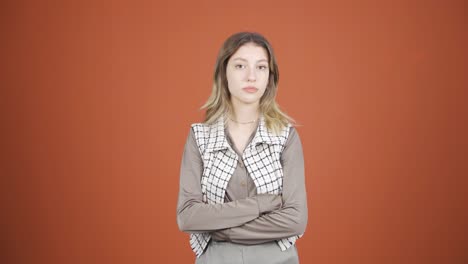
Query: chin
pixel 251 101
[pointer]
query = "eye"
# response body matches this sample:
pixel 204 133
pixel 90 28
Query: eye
pixel 262 67
pixel 239 66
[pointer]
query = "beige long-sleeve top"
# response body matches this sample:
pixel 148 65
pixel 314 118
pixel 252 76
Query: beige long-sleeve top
pixel 246 217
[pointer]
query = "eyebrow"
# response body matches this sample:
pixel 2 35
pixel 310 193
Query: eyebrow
pixel 246 60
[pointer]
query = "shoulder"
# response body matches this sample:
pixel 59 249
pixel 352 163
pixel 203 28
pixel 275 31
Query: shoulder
pixel 199 126
pixel 293 136
pixel 199 129
pixel 200 134
pixel 288 132
pixel 292 132
pixel 293 147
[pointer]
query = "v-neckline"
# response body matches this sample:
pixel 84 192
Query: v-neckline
pixel 228 136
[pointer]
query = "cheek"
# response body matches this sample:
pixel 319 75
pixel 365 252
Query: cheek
pixel 229 77
pixel 232 78
pixel 265 79
pixel 231 82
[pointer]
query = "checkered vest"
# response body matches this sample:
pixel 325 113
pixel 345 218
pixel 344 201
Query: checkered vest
pixel 261 158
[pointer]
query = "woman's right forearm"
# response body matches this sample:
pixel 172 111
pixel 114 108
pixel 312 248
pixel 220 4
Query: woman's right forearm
pixel 195 216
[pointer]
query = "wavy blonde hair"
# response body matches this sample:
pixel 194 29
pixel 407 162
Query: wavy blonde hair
pixel 219 102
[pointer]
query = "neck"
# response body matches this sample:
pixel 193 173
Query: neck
pixel 244 114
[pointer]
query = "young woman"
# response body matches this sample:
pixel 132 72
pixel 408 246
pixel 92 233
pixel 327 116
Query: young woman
pixel 242 193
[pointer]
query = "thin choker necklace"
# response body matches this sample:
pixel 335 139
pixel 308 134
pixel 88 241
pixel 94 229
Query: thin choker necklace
pixel 243 123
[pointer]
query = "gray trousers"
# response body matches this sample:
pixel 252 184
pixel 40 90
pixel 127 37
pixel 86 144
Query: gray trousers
pixel 230 253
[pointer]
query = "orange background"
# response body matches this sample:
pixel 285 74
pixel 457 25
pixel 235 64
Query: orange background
pixel 97 98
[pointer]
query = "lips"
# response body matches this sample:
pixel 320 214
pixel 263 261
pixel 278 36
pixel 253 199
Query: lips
pixel 250 89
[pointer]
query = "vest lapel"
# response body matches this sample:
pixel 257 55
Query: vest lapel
pixel 221 163
pixel 262 159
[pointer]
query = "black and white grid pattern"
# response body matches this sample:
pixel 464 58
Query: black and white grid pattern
pixel 220 160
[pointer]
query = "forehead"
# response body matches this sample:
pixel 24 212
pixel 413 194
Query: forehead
pixel 250 51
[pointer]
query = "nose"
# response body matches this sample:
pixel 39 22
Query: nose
pixel 251 74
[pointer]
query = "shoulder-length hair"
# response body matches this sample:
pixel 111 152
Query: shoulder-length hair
pixel 219 102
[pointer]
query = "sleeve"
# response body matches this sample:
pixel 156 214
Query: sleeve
pixel 291 219
pixel 193 215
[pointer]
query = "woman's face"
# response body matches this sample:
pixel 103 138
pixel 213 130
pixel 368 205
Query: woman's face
pixel 247 67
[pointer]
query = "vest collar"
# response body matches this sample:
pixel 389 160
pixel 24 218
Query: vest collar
pixel 217 139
